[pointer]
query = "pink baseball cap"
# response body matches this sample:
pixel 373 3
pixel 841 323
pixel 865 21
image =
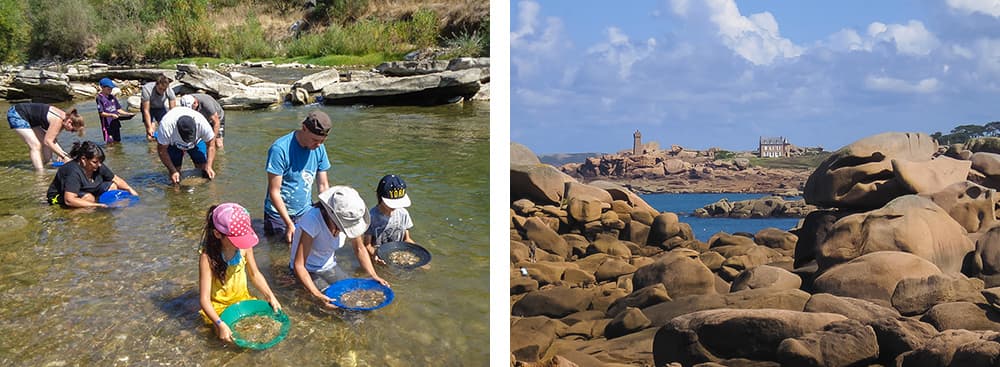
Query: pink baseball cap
pixel 233 221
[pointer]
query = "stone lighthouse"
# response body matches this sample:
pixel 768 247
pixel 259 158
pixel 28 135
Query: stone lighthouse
pixel 637 143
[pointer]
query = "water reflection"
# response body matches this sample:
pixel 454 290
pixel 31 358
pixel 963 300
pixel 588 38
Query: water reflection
pixel 119 286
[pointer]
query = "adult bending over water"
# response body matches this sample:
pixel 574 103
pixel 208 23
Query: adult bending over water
pixel 339 215
pixel 294 162
pixel 39 124
pixel 184 130
pixel 81 181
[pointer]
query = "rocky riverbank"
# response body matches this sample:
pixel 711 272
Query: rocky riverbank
pixel 682 171
pixel 419 83
pixel 899 267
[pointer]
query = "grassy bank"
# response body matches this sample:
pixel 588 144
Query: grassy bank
pixel 805 162
pixel 334 32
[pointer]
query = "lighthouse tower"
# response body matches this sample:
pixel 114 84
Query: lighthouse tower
pixel 637 143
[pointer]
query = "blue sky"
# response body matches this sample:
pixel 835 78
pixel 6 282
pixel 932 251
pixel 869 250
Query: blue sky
pixel 584 75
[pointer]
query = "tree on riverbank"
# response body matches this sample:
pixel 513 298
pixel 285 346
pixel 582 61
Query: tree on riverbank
pixel 131 31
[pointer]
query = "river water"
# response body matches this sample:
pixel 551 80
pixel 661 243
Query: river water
pixel 685 204
pixel 120 287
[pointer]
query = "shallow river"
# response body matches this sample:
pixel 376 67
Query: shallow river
pixel 120 287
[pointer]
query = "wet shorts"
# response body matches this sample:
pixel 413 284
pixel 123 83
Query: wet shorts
pixel 323 279
pixel 15 120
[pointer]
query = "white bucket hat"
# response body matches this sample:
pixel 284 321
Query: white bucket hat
pixel 187 101
pixel 347 209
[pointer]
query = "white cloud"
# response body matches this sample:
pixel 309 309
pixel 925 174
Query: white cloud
pixel 618 51
pixel 962 52
pixel 755 38
pixel 988 7
pixel 528 17
pixel 848 40
pixel 535 43
pixel 988 56
pixel 680 7
pixel 887 84
pixel 910 39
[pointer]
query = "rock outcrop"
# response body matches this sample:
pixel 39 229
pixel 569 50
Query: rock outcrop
pixel 897 268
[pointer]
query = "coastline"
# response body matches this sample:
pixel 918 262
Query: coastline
pixel 781 182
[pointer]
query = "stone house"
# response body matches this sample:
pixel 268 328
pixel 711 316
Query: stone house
pixel 774 147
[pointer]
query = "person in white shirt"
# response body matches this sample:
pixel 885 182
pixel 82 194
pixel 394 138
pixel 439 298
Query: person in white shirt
pixel 184 130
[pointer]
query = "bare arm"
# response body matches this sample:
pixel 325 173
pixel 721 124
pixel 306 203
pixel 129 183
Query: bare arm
pixel 205 298
pixel 55 127
pixel 175 175
pixel 299 266
pixel 366 261
pixel 209 162
pixel 274 192
pixel 259 282
pixel 324 183
pixel 122 185
pixel 217 125
pixel 147 119
pixel 406 236
pixel 75 201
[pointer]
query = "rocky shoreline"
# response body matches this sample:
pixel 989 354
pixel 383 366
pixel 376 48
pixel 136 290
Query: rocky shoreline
pixel 418 83
pixel 679 170
pixel 899 267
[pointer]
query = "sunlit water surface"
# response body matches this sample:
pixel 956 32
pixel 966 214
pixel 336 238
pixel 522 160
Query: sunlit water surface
pixel 120 287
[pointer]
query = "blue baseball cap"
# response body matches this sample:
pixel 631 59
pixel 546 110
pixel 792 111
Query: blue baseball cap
pixel 392 190
pixel 106 82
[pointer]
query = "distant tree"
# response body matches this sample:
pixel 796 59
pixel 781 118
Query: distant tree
pixel 993 128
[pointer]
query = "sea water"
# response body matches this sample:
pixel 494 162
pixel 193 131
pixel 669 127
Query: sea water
pixel 684 206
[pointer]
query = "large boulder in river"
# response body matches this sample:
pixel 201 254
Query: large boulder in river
pixel 43 85
pixel 421 90
pixel 252 98
pixel 860 175
pixel 909 223
pixel 210 81
pixel 317 81
pixel 411 68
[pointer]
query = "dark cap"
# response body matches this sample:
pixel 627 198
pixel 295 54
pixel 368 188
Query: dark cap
pixel 317 122
pixel 187 129
pixel 392 190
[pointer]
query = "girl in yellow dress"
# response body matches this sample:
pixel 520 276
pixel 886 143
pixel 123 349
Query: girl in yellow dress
pixel 226 263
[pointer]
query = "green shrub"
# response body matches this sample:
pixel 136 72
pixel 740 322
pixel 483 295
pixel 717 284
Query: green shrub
pixel 13 34
pixel 423 28
pixel 160 47
pixel 308 44
pixel 724 154
pixel 62 28
pixel 188 28
pixel 466 44
pixel 246 41
pixel 344 11
pixel 122 44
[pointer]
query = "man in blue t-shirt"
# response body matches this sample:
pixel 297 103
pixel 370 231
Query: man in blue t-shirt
pixel 294 162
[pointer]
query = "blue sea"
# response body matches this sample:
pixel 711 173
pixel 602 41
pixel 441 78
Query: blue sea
pixel 685 204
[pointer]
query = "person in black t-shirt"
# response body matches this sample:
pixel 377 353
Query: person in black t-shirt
pixel 81 181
